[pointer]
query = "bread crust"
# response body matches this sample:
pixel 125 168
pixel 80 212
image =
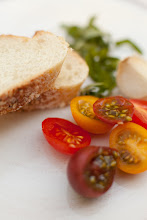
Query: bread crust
pixel 14 99
pixel 58 97
pixel 54 98
pixel 20 96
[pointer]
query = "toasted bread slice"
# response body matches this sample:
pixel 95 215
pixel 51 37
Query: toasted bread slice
pixel 132 77
pixel 67 85
pixel 28 66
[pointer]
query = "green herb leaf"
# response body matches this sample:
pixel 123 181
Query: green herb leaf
pixel 96 89
pixel 131 43
pixel 94 46
pixel 102 70
pixel 91 21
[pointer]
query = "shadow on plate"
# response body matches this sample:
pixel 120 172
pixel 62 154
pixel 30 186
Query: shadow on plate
pixel 11 120
pixel 55 158
pixel 129 180
pixel 84 206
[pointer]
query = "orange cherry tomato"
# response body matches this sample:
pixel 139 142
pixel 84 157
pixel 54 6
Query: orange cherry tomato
pixel 130 140
pixel 82 111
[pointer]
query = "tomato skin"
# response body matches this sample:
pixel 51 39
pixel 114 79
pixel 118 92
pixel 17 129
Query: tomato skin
pixel 65 136
pixel 79 165
pixel 140 103
pixel 140 112
pixel 130 140
pixel 114 109
pixel 92 125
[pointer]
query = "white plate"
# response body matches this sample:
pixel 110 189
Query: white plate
pixel 33 183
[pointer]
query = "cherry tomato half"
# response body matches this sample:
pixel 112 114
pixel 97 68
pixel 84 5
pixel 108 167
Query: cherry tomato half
pixel 82 111
pixel 130 140
pixel 91 170
pixel 65 136
pixel 114 109
pixel 140 112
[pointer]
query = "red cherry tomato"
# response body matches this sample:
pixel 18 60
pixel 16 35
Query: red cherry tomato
pixel 114 109
pixel 91 170
pixel 140 112
pixel 65 136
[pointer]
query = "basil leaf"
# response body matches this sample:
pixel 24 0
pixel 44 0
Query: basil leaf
pixel 96 89
pixel 94 45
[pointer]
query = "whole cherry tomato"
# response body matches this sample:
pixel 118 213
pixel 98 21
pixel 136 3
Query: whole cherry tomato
pixel 65 136
pixel 82 111
pixel 114 109
pixel 91 170
pixel 130 140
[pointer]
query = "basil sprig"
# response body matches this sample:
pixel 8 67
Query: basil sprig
pixel 94 46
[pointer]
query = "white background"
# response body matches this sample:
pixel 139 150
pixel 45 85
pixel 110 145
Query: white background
pixel 33 183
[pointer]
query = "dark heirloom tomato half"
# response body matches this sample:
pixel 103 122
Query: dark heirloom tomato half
pixel 114 109
pixel 130 140
pixel 91 170
pixel 140 112
pixel 65 136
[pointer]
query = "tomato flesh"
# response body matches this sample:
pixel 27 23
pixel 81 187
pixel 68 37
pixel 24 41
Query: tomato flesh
pixel 91 170
pixel 130 140
pixel 82 111
pixel 140 112
pixel 114 109
pixel 65 136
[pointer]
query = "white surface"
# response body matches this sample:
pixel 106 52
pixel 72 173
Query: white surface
pixel 33 183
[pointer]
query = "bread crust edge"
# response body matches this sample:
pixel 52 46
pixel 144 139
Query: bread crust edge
pixel 14 99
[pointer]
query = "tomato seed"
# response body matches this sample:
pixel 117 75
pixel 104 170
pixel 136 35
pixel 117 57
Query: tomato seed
pixel 127 157
pixel 138 139
pixel 116 107
pixel 72 145
pixel 124 110
pixel 111 116
pixel 99 186
pixel 122 115
pixel 128 118
pixel 113 103
pixel 113 163
pixel 115 154
pixel 131 160
pixel 102 178
pixel 81 137
pixel 92 179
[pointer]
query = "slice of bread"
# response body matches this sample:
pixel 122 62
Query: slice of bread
pixel 73 73
pixel 28 66
pixel 132 77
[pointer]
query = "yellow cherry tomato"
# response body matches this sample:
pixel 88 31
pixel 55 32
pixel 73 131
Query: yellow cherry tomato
pixel 82 111
pixel 130 140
